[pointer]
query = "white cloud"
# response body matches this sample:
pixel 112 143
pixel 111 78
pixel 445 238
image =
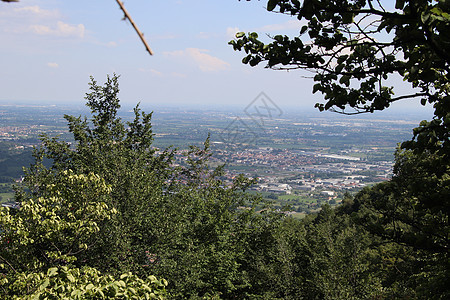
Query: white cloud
pixel 205 61
pixel 52 65
pixel 37 12
pixel 151 71
pixel 231 32
pixel 62 29
pixel 111 44
pixel 178 75
pixel 177 53
pixel 40 21
pixel 204 35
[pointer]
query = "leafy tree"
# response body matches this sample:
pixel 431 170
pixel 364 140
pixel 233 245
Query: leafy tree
pixel 122 158
pixel 44 238
pixel 412 210
pixel 57 225
pixel 355 47
pixel 86 283
pixel 176 222
pixel 324 256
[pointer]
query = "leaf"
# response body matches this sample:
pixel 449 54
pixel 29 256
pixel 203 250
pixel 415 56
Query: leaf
pixel 316 87
pixel 424 17
pixel 76 294
pixel 90 286
pixel 70 277
pixel 121 283
pixel 399 4
pixel 345 79
pixel 347 17
pixel 339 68
pixel 342 58
pixel 304 29
pixel 52 272
pixel 271 5
pixel 45 284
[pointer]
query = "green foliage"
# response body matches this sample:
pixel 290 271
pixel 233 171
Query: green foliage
pixel 325 256
pixel 412 207
pixel 57 225
pixel 412 210
pixel 85 283
pixel 112 212
pixel 130 208
pixel 48 234
pixel 355 47
pixel 11 161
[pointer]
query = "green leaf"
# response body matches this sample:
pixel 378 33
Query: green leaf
pixel 345 79
pixel 121 283
pixel 271 4
pixel 246 59
pixel 304 29
pixel 399 4
pixel 339 68
pixel 424 17
pixel 347 17
pixel 90 286
pixel 45 284
pixel 52 272
pixel 240 34
pixel 316 87
pixel 70 278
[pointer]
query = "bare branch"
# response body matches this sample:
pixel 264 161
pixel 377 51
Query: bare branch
pixel 127 16
pixel 7 262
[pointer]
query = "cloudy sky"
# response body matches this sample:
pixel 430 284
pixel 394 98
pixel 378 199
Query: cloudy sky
pixel 50 48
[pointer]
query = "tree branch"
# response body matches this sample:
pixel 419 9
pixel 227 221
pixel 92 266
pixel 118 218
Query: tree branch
pixel 141 36
pixel 8 264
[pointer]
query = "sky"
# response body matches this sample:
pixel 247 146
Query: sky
pixel 51 48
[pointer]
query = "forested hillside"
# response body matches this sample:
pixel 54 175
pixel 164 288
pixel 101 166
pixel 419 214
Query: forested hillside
pixel 114 217
pixel 11 162
pixel 112 213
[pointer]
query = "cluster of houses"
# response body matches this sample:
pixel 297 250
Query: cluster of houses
pixel 332 171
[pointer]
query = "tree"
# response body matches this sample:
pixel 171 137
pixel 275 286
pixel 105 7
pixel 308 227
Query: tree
pixel 43 239
pixel 86 283
pixel 355 47
pixel 180 221
pixel 58 224
pixel 412 210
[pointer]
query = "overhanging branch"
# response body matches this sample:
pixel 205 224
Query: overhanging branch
pixel 141 36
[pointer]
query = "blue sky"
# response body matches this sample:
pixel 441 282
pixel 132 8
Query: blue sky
pixel 50 48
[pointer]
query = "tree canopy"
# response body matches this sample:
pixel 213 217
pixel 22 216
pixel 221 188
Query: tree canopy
pixel 111 203
pixel 356 47
pixel 110 216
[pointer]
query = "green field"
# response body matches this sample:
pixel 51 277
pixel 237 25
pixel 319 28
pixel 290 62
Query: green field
pixel 5 197
pixel 297 198
pixel 6 192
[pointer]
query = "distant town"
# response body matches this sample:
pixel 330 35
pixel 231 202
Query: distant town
pixel 299 160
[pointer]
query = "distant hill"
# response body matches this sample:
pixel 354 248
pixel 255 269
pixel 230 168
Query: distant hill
pixel 12 161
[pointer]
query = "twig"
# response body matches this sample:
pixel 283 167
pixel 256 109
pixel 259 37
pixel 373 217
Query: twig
pixel 127 16
pixel 7 262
